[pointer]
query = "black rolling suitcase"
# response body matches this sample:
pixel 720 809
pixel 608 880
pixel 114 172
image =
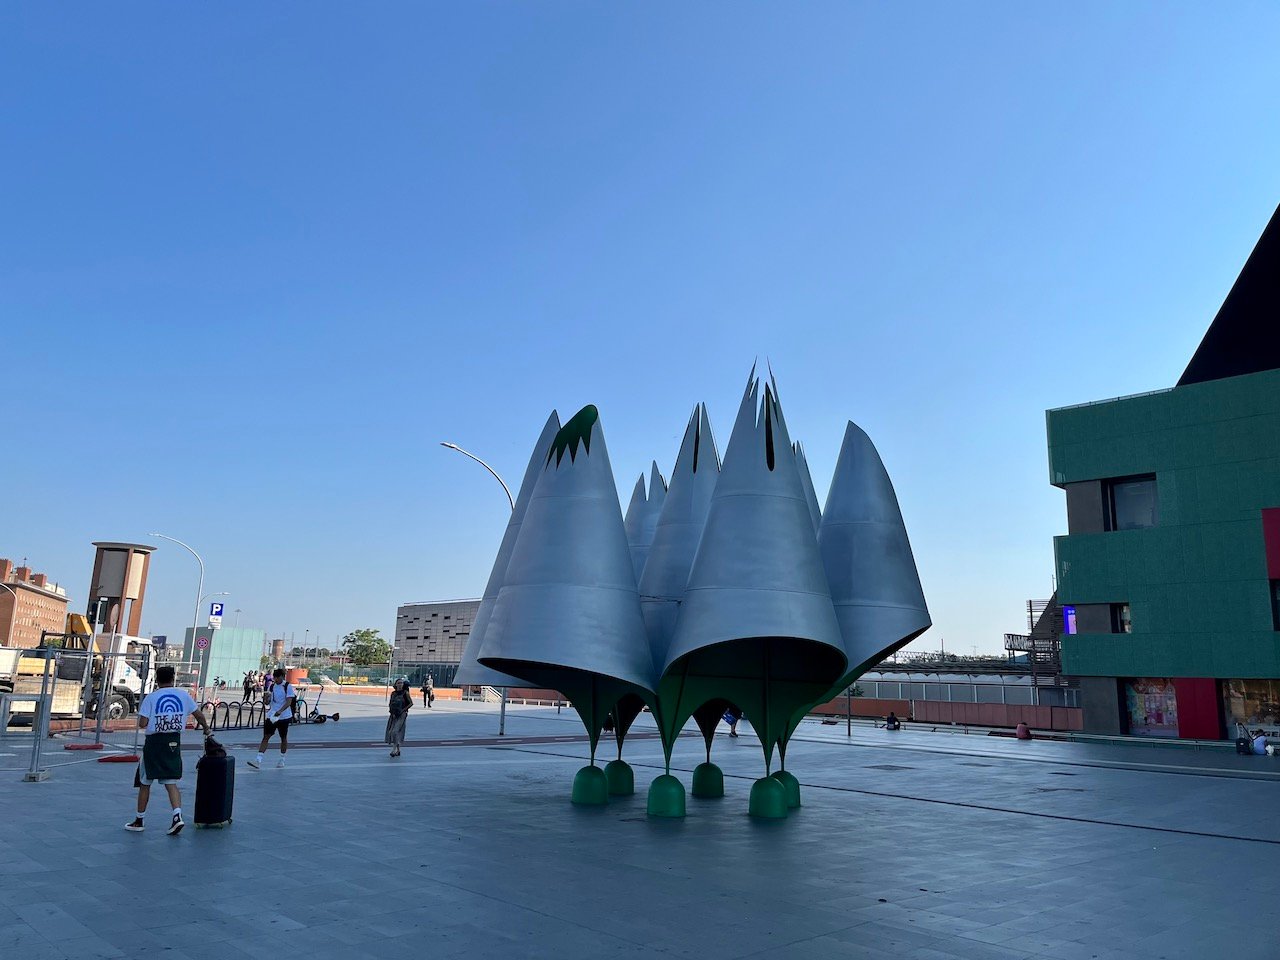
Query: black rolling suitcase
pixel 215 786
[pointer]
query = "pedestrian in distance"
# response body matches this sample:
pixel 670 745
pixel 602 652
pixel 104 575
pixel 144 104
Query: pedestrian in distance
pixel 731 716
pixel 891 722
pixel 399 705
pixel 279 700
pixel 426 692
pixel 248 686
pixel 163 715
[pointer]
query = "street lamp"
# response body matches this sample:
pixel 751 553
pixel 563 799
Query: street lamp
pixel 502 710
pixel 195 618
pixel 465 453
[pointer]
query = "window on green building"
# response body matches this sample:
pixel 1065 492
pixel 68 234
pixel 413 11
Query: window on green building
pixel 1131 503
pixel 1275 604
pixel 1120 622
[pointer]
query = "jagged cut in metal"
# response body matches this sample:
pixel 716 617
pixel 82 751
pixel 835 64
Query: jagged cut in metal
pixel 577 430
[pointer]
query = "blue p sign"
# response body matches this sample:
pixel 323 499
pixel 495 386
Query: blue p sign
pixel 215 609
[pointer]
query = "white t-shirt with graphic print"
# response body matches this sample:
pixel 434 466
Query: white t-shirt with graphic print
pixel 166 710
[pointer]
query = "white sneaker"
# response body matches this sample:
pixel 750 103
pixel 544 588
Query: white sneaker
pixel 254 763
pixel 280 763
pixel 137 826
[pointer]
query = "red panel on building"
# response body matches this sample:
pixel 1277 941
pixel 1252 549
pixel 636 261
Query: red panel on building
pixel 1271 534
pixel 1198 712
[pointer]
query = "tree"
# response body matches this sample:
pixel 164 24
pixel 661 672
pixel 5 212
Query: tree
pixel 365 647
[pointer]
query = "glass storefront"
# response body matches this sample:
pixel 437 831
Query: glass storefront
pixel 1152 706
pixel 1254 703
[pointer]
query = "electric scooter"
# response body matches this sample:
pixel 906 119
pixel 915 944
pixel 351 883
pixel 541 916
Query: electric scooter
pixel 315 716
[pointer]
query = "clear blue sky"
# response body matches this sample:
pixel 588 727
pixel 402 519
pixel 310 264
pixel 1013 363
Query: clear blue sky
pixel 257 260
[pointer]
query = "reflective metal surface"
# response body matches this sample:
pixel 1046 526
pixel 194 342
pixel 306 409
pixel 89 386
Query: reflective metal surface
pixel 469 671
pixel 568 599
pixel 679 528
pixel 641 519
pixel 867 557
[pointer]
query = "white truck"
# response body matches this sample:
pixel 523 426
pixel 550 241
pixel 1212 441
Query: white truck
pixel 81 668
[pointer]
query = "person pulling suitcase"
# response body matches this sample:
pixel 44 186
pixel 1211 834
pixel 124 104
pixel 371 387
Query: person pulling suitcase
pixel 163 715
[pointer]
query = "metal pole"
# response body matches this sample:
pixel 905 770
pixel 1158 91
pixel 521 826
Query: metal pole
pixel 502 710
pixel 848 711
pixel 142 691
pixel 40 725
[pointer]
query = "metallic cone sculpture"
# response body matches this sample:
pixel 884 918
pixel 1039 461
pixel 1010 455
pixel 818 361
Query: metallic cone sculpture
pixel 470 672
pixel 757 626
pixel 728 589
pixel 666 574
pixel 568 614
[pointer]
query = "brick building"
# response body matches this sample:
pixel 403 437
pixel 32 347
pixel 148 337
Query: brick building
pixel 29 604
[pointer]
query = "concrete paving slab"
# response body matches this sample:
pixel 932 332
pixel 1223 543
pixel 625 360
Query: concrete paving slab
pixel 912 844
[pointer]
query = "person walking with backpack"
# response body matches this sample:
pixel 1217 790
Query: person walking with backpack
pixel 163 715
pixel 399 705
pixel 280 700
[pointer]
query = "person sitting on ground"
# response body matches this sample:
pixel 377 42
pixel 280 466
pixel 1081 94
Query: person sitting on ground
pixel 1259 743
pixel 891 722
pixel 1022 731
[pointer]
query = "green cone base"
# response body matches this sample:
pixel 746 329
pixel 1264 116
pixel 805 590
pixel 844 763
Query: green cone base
pixel 791 785
pixel 708 781
pixel 622 779
pixel 590 787
pixel 666 797
pixel 768 799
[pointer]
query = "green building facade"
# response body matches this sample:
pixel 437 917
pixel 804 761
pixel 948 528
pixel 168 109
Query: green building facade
pixel 1169 574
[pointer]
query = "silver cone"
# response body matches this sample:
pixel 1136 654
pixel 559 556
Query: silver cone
pixel 568 614
pixel 756 625
pixel 806 478
pixel 469 671
pixel 872 573
pixel 679 529
pixel 641 520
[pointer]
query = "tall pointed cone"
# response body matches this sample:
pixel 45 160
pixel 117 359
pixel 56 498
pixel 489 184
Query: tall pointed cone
pixel 757 626
pixel 679 528
pixel 872 573
pixel 642 517
pixel 806 478
pixel 568 615
pixel 469 671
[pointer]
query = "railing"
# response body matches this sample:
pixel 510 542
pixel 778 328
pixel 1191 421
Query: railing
pixel 490 694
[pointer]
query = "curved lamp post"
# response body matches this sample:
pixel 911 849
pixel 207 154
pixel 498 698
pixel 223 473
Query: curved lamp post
pixel 195 619
pixel 511 501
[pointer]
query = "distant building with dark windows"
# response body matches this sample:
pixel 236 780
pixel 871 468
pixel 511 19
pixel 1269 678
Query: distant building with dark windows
pixel 430 638
pixel 1169 575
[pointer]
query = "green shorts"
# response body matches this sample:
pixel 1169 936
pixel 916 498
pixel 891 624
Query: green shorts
pixel 161 760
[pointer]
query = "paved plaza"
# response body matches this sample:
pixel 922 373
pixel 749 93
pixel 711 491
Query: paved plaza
pixel 919 844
